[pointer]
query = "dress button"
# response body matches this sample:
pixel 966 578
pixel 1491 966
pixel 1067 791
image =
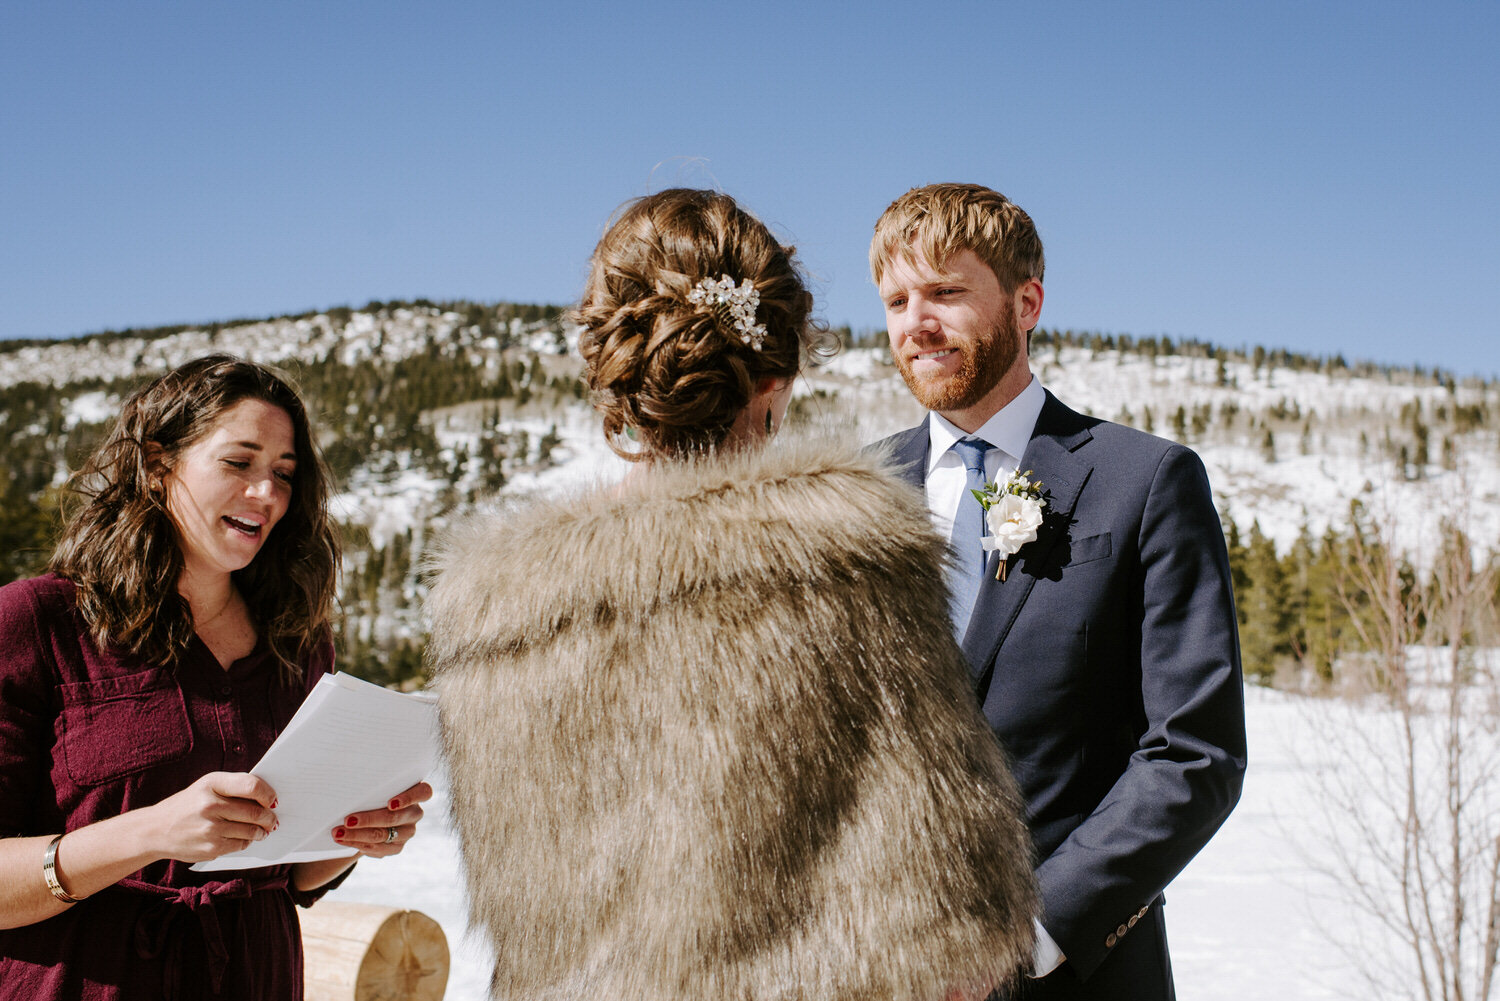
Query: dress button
pixel 226 690
pixel 1109 941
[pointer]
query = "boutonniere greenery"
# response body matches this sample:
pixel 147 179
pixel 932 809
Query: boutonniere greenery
pixel 1012 512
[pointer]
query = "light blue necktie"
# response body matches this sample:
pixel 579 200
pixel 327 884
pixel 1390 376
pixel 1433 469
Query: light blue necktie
pixel 968 529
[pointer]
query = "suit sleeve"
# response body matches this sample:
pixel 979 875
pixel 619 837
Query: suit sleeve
pixel 1184 775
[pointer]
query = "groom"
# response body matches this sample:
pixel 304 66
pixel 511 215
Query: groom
pixel 1105 654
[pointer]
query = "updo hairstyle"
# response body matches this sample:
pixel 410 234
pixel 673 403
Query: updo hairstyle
pixel 671 376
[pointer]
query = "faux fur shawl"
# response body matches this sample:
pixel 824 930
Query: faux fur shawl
pixel 709 737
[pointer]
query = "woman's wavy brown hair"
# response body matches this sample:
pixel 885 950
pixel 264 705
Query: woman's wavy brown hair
pixel 663 371
pixel 120 547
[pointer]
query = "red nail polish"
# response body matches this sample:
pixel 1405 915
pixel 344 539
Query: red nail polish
pixel 395 804
pixel 338 832
pixel 353 821
pixel 274 802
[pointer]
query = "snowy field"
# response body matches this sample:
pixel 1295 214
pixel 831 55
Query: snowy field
pixel 1242 919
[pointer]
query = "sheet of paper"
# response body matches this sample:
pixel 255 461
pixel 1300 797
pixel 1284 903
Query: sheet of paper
pixel 350 747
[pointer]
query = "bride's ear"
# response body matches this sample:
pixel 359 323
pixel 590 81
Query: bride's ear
pixel 767 385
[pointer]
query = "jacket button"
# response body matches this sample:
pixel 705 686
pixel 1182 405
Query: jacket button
pixel 1142 912
pixel 1120 931
pixel 1133 919
pixel 1110 940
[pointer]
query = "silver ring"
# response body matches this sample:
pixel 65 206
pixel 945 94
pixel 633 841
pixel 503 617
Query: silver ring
pixel 390 835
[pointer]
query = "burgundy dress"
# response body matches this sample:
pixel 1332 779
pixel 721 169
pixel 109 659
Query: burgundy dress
pixel 87 734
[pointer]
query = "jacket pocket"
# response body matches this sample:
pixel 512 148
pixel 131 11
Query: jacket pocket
pixel 115 727
pixel 1095 547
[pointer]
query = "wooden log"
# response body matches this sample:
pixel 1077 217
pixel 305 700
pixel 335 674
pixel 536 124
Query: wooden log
pixel 367 952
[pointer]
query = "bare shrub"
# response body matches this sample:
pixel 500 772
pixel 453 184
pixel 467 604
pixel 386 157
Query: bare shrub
pixel 1408 791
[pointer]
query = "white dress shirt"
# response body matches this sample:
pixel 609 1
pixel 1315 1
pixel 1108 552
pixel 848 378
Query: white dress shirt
pixel 1008 432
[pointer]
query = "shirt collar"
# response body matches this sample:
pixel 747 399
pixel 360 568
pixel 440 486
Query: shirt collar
pixel 1009 430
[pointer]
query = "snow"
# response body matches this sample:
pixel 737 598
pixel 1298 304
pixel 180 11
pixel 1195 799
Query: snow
pixel 852 364
pixel 1296 489
pixel 426 877
pixel 582 458
pixel 1311 483
pixel 90 408
pixel 1312 489
pixel 390 334
pixel 1242 919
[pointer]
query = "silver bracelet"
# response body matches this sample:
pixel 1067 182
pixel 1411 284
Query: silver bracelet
pixel 49 873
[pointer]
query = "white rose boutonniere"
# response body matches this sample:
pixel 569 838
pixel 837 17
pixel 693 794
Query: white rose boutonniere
pixel 1012 512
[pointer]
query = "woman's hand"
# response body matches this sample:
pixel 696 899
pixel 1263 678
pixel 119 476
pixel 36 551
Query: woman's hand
pixel 222 812
pixel 378 833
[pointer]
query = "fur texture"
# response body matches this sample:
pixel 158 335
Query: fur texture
pixel 709 737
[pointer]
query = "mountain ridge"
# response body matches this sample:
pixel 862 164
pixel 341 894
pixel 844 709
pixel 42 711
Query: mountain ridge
pixel 428 410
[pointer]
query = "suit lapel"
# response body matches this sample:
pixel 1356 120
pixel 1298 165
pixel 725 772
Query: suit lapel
pixel 1050 455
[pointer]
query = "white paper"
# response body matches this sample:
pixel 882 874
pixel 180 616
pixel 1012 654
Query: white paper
pixel 350 747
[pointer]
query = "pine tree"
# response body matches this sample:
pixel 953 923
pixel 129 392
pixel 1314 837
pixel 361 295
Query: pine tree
pixel 1237 555
pixel 1422 455
pixel 1310 571
pixel 25 530
pixel 546 444
pixel 1264 617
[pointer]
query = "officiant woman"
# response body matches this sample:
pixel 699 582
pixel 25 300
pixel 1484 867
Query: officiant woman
pixel 184 619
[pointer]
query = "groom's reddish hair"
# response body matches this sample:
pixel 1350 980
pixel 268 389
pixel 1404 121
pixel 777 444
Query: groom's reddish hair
pixel 937 221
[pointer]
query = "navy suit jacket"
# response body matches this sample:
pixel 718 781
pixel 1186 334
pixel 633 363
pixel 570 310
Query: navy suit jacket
pixel 1107 663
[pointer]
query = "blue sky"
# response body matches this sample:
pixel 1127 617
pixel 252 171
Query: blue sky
pixel 1319 176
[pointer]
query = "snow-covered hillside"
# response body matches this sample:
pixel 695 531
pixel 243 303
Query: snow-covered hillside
pixel 1329 433
pixel 390 334
pixel 1287 447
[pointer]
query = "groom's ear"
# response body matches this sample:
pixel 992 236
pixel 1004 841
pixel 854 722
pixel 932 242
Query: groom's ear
pixel 1028 304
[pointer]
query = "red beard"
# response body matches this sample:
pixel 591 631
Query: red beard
pixel 984 365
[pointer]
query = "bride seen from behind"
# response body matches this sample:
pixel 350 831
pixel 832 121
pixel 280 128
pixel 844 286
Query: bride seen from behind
pixel 706 731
